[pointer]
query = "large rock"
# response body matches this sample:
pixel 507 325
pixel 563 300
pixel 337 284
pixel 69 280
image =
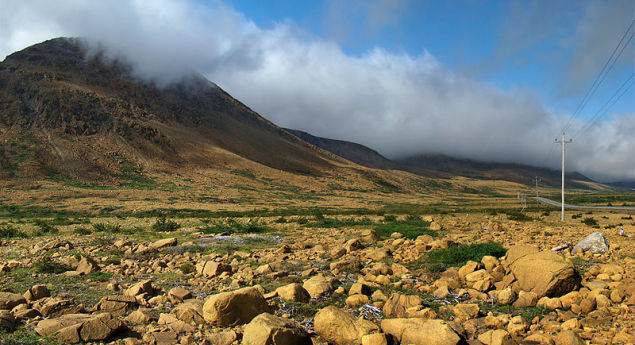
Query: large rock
pixel 293 292
pixel 544 273
pixel 267 329
pixel 234 307
pixel 398 304
pixel 7 321
pixel 166 242
pixel 9 300
pixel 191 311
pixel 75 328
pixel 144 286
pixel 318 285
pixel 87 265
pixel 595 242
pixel 339 327
pixel 212 269
pixel 420 331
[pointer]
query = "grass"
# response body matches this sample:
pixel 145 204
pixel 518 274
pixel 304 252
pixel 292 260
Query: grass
pixel 9 231
pixel 22 336
pixel 441 259
pixel 45 228
pixel 323 222
pixel 47 265
pixel 590 221
pixel 233 226
pixel 518 216
pixel 411 227
pixel 165 225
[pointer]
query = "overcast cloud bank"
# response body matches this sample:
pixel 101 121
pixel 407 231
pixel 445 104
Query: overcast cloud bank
pixel 395 103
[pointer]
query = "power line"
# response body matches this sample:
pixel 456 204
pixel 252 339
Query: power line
pixel 606 106
pixel 600 77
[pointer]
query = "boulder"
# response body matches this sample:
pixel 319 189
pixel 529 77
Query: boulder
pixel 339 327
pixel 190 311
pixel 318 285
pixel 544 273
pixel 267 329
pixel 9 300
pixel 7 321
pixel 398 304
pixel 166 242
pixel 235 307
pixel 568 337
pixel 75 328
pixel 294 293
pixel 87 265
pixel 211 269
pixel 420 331
pixel 179 294
pixel 36 292
pixel 116 305
pixel 369 236
pixel 144 286
pixel 595 243
pixel 496 337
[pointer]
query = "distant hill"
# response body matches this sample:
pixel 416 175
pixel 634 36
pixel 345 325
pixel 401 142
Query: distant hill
pixel 442 166
pixel 63 112
pixel 524 174
pixel 356 153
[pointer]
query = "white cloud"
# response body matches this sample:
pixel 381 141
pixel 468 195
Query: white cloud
pixel 395 103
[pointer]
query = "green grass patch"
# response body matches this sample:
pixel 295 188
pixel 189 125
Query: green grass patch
pixel 165 225
pixel 44 228
pixel 47 265
pixel 323 222
pixel 518 216
pixel 233 226
pixel 411 228
pixel 9 231
pixel 590 221
pixel 441 259
pixel 99 276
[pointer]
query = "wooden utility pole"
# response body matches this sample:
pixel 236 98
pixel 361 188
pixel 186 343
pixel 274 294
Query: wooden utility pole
pixel 563 142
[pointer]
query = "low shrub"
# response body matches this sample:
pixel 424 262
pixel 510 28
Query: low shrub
pixel 44 228
pixel 410 228
pixel 47 265
pixel 590 221
pixel 165 225
pixel 459 255
pixel 9 231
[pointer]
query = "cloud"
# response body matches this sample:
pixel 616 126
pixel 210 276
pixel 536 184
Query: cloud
pixel 396 103
pixel 596 36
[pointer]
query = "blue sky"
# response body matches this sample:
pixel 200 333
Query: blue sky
pixel 485 80
pixel 510 44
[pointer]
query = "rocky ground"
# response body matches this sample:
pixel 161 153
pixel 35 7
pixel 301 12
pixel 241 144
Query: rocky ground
pixel 304 280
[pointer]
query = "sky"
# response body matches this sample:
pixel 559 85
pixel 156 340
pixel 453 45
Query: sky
pixel 486 80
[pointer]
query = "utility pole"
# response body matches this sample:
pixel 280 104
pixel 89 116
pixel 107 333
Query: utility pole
pixel 538 179
pixel 563 142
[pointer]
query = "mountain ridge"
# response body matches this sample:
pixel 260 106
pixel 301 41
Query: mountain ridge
pixel 90 118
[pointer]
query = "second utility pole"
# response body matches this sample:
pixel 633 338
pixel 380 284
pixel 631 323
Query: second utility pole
pixel 563 142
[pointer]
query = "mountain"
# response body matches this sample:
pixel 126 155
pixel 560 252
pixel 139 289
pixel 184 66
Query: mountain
pixel 354 152
pixel 442 166
pixel 65 110
pixel 520 173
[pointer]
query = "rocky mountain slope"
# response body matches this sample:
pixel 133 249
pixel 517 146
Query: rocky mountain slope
pixel 65 111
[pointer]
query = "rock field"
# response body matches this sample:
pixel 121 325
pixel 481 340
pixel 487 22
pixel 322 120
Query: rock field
pixel 341 286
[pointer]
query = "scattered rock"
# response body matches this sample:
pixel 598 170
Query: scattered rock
pixel 420 331
pixel 267 329
pixel 595 243
pixel 294 292
pixel 75 328
pixel 341 328
pixel 234 308
pixel 544 273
